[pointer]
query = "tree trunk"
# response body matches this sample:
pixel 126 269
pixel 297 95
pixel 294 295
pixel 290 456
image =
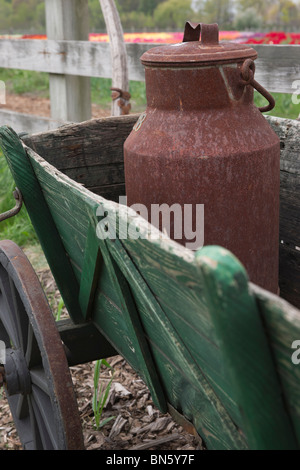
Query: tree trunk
pixel 120 84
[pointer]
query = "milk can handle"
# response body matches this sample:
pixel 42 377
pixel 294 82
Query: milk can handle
pixel 247 73
pixel 209 33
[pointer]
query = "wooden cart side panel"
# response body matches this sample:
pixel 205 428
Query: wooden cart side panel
pixel 186 385
pixel 282 322
pixel 182 376
pixel 70 214
pixel 106 322
pixel 242 345
pixel 67 203
pixel 91 152
pixel 289 234
pixel 247 353
pixel 79 221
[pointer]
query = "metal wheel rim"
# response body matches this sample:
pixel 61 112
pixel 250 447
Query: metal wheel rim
pixel 45 409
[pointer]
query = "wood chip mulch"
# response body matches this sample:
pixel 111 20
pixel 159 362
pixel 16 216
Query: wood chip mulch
pixel 137 424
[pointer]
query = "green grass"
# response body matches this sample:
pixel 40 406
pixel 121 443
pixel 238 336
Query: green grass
pixel 284 107
pixel 27 82
pixel 24 81
pixel 17 228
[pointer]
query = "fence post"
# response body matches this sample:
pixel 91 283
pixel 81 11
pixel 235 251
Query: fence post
pixel 70 95
pixel 118 57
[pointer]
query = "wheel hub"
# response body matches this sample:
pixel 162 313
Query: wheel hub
pixel 16 373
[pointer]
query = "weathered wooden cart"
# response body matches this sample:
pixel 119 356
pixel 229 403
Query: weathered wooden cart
pixel 217 352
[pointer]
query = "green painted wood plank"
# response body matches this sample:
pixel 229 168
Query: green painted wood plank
pixel 90 272
pixel 282 322
pixel 208 357
pixel 168 341
pixel 134 325
pixel 41 218
pixel 246 351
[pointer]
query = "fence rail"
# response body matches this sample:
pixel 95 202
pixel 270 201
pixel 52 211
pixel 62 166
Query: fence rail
pixel 277 66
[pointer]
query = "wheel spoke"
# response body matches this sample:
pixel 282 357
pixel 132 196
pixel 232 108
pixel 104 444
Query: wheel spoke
pixel 32 354
pixel 22 409
pixel 38 378
pixel 23 425
pixel 44 417
pixel 7 314
pixel 37 442
pixel 20 316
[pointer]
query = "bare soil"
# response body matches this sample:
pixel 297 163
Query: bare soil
pixel 137 424
pixel 29 103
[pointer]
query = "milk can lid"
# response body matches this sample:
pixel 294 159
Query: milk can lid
pixel 193 52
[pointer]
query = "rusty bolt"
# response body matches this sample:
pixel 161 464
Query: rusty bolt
pixel 118 93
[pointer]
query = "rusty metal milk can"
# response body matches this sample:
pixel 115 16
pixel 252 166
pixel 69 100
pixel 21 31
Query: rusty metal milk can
pixel 203 141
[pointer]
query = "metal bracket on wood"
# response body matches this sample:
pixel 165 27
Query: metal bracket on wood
pixel 19 200
pixel 123 98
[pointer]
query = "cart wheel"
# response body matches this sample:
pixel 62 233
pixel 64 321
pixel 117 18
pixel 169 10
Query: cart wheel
pixel 37 379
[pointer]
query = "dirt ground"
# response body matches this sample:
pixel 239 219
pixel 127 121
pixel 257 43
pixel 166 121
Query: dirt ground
pixel 137 424
pixel 31 104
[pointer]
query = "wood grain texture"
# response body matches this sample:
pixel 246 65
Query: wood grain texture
pixel 282 323
pixel 91 269
pixel 246 351
pixel 117 50
pixel 32 124
pixel 41 218
pixel 70 95
pixel 277 66
pixel 91 153
pixel 289 234
pixel 178 369
pixel 134 325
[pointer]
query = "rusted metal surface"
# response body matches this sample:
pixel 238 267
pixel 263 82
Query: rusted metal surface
pixel 122 97
pixel 203 141
pixel 209 33
pixel 247 73
pixel 19 200
pixel 36 367
pixel 192 52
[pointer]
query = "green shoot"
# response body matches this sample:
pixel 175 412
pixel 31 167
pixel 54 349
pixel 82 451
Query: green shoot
pixel 100 395
pixel 59 309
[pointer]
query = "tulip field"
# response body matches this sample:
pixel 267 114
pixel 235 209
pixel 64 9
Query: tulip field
pixel 273 37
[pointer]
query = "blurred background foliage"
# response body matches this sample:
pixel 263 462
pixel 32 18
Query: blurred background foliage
pixel 28 16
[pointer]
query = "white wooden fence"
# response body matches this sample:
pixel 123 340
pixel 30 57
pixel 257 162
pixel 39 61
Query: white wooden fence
pixel 70 61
